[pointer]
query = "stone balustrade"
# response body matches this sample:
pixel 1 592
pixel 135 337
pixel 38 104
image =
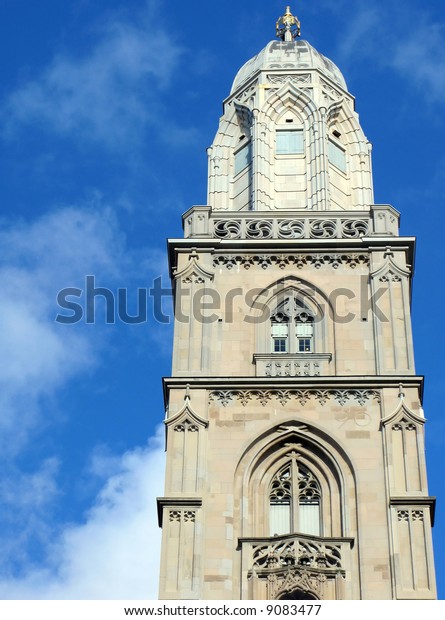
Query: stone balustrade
pixel 201 221
pixel 281 564
pixel 292 365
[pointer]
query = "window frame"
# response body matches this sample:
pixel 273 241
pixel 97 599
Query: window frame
pixel 294 499
pixel 247 159
pixel 281 132
pixel 332 155
pixel 291 320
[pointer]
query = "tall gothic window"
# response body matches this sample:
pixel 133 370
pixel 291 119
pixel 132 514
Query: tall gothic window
pixel 294 501
pixel 292 328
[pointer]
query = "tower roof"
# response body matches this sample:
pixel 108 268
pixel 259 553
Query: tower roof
pixel 288 55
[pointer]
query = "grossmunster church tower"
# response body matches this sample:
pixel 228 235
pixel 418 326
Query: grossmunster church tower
pixel 295 428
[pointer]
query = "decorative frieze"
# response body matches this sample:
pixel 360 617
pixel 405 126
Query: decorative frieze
pixel 295 228
pixel 342 397
pixel 304 78
pixel 264 261
pixel 203 222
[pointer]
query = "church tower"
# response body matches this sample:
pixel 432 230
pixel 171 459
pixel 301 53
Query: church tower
pixel 294 425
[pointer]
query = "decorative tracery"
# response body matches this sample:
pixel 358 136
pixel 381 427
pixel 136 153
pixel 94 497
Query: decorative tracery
pixel 294 500
pixel 292 328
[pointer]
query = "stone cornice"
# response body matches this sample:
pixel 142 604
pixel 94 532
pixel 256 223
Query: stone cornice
pixel 280 246
pixel 416 501
pixel 182 503
pixel 308 537
pixel 292 383
pixel 255 78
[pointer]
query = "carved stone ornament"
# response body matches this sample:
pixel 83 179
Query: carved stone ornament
pixel 332 93
pixel 264 261
pixel 304 78
pixel 342 397
pixel 174 516
pixel 390 271
pixel 403 418
pixel 411 515
pixel 297 552
pixel 186 419
pixel 297 563
pixel 186 426
pixel 278 228
pixel 248 93
pixel 404 425
pixel 193 272
pixel 182 516
pixel 295 579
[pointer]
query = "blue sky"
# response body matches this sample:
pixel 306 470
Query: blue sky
pixel 106 109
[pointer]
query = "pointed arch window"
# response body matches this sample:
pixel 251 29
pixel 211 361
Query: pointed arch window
pixel 294 501
pixel 292 328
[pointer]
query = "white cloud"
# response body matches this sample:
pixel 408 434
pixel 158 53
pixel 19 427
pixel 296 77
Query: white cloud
pixel 115 553
pixel 34 490
pixel 27 498
pixel 107 95
pixel 39 355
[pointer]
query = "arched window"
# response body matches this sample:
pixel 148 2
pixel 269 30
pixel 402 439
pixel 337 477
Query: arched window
pixel 292 328
pixel 294 501
pixel 297 595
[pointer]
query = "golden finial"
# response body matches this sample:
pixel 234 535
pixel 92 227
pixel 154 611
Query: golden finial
pixel 288 26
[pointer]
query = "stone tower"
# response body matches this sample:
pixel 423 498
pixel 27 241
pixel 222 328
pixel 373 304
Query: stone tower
pixel 295 429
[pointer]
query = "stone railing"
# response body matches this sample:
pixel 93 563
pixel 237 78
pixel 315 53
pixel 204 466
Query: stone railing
pixel 309 564
pixel 288 225
pixel 297 550
pixel 298 228
pixel 292 365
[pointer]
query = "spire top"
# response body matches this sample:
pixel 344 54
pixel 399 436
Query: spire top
pixel 288 26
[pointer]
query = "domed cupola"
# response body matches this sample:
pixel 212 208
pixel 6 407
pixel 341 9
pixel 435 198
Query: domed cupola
pixel 289 138
pixel 279 56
